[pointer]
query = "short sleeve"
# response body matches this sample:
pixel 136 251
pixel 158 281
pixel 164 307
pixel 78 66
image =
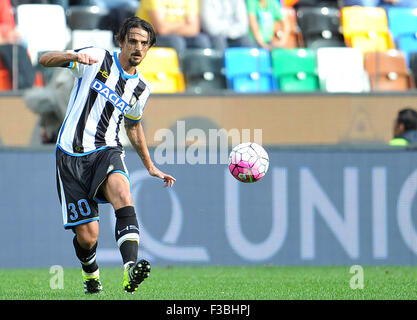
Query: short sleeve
pixel 78 69
pixel 135 113
pixel 251 6
pixel 278 11
pixel 193 7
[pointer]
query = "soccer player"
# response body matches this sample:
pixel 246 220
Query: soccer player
pixel 90 166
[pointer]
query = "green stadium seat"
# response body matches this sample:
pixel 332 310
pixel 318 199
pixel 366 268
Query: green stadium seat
pixel 295 69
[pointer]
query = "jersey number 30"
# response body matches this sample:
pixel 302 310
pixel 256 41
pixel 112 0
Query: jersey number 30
pixel 83 209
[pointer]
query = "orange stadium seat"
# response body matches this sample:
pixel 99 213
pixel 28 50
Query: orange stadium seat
pixel 5 83
pixel 388 71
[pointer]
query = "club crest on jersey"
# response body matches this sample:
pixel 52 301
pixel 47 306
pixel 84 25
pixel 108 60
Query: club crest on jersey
pixel 133 100
pixel 109 94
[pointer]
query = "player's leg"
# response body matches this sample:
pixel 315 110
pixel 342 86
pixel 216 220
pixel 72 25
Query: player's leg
pixel 80 214
pixel 85 245
pixel 116 189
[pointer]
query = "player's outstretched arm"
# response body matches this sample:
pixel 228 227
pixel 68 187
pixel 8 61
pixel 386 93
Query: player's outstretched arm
pixel 136 136
pixel 60 58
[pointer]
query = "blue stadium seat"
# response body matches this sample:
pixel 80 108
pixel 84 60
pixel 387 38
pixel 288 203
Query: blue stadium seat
pixel 363 3
pixel 380 3
pixel 249 70
pixel 402 21
pixel 403 26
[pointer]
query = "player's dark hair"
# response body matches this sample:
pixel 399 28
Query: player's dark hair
pixel 408 117
pixel 135 22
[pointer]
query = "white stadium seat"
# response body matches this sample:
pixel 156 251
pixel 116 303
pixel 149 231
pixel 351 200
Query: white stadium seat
pixel 342 70
pixel 43 27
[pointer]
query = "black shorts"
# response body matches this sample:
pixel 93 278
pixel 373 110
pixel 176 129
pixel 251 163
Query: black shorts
pixel 79 179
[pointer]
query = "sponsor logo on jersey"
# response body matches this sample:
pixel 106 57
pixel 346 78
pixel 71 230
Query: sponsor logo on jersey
pixel 110 95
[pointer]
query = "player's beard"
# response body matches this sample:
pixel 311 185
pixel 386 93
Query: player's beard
pixel 134 63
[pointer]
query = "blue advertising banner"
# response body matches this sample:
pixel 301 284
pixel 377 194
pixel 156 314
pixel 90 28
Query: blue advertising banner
pixel 315 206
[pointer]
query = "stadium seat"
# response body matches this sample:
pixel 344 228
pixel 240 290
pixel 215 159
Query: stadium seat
pixel 249 70
pixel 203 70
pixel 342 70
pixel 161 69
pixel 388 71
pixel 87 17
pixel 366 28
pixel 413 64
pixel 119 11
pixel 44 28
pixel 5 82
pixel 378 3
pixel 295 39
pixel 403 26
pixel 320 27
pixel 363 3
pixel 295 69
pixel 97 38
pixel 407 44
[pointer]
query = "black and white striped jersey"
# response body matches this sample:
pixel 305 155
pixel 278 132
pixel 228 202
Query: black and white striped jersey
pixel 103 94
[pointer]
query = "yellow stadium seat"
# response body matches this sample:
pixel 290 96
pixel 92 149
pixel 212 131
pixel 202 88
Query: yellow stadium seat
pixel 366 28
pixel 161 68
pixel 371 42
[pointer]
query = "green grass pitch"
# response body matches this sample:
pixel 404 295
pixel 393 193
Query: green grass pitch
pixel 220 283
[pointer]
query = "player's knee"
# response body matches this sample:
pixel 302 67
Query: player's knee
pixel 121 199
pixel 87 241
pixel 87 237
pixel 117 190
pixel 124 198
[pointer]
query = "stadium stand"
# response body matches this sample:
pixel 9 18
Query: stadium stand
pixel 366 28
pixel 403 26
pixel 5 83
pixel 295 70
pixel 349 76
pixel 388 71
pixel 161 68
pixel 362 3
pixel 203 70
pixel 97 38
pixel 413 64
pixel 43 27
pixel 249 70
pixel 313 25
pixel 320 27
pixel 87 17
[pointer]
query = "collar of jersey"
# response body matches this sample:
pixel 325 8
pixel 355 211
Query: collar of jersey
pixel 122 72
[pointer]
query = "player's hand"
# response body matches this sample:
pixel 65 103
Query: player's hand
pixel 85 59
pixel 168 179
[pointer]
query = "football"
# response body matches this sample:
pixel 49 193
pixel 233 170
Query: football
pixel 248 162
